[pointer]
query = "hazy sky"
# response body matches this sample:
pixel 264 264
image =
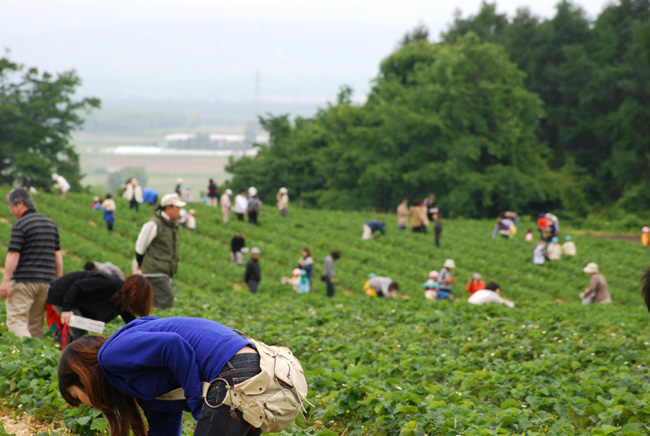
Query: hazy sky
pixel 301 50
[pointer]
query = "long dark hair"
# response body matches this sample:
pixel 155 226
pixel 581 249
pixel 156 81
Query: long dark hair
pixel 79 366
pixel 135 296
pixel 645 289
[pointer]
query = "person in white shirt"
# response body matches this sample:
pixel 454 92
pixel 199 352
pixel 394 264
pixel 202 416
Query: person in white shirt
pixel 61 184
pixel 241 204
pixel 226 205
pixel 490 295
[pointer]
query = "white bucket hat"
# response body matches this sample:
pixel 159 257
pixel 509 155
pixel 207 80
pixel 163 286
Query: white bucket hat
pixel 171 200
pixel 283 190
pixel 449 263
pixel 591 268
pixel 229 192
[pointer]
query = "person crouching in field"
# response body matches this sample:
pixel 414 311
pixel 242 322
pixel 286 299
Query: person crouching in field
pixel 371 227
pixel 166 366
pixel 597 292
pixel 431 286
pixel 490 295
pixel 99 296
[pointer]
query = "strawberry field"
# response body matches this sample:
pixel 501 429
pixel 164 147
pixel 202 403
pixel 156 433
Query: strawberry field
pixel 405 366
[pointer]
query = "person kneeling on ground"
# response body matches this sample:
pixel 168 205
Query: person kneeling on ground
pixel 371 227
pixel 490 295
pixel 383 286
pixel 597 292
pixel 166 366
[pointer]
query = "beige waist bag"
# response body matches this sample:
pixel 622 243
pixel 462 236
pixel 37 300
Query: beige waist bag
pixel 272 399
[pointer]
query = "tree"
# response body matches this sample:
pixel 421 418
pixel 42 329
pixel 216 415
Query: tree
pixel 37 117
pixel 116 180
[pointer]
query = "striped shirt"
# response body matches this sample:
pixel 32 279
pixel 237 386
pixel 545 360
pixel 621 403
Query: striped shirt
pixel 36 238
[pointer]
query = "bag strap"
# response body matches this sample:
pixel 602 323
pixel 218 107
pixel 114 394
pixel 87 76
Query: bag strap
pixel 179 393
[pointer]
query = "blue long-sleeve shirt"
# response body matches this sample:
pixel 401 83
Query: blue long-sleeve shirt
pixel 151 356
pixel 376 225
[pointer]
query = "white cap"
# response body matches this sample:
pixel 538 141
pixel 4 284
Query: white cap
pixel 252 191
pixel 171 200
pixel 476 276
pixel 449 263
pixel 229 192
pixel 591 268
pixel 283 190
pixel 255 250
pixel 55 176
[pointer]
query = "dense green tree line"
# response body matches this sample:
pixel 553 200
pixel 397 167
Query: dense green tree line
pixel 37 117
pixel 519 113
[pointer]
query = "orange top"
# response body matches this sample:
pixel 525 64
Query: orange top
pixel 475 285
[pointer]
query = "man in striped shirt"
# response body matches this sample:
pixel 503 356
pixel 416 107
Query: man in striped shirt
pixel 33 260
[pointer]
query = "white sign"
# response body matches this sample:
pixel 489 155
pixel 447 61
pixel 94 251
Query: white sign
pixel 88 324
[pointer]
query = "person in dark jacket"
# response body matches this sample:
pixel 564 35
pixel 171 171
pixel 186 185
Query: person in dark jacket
pixel 237 244
pixel 213 194
pixel 99 296
pixel 253 274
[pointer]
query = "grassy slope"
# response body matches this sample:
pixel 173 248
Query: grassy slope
pixel 358 351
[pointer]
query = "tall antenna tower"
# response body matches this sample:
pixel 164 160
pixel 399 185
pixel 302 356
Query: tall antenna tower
pixel 257 91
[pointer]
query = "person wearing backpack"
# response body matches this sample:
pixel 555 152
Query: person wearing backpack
pixel 165 366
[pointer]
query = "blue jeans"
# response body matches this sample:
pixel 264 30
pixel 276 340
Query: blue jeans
pixel 219 421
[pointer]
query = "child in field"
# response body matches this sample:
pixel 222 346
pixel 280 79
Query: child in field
pixel 96 204
pixel 475 284
pixel 569 247
pixel 108 206
pixel 191 220
pixel 446 279
pixel 529 236
pixel 237 244
pixel 431 286
pixel 645 236
pixel 299 282
pixel 554 249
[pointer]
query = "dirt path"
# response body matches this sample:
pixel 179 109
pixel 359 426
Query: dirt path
pixel 626 238
pixel 24 427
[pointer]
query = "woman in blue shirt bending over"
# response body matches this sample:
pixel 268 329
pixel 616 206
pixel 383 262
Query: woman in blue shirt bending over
pixel 151 357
